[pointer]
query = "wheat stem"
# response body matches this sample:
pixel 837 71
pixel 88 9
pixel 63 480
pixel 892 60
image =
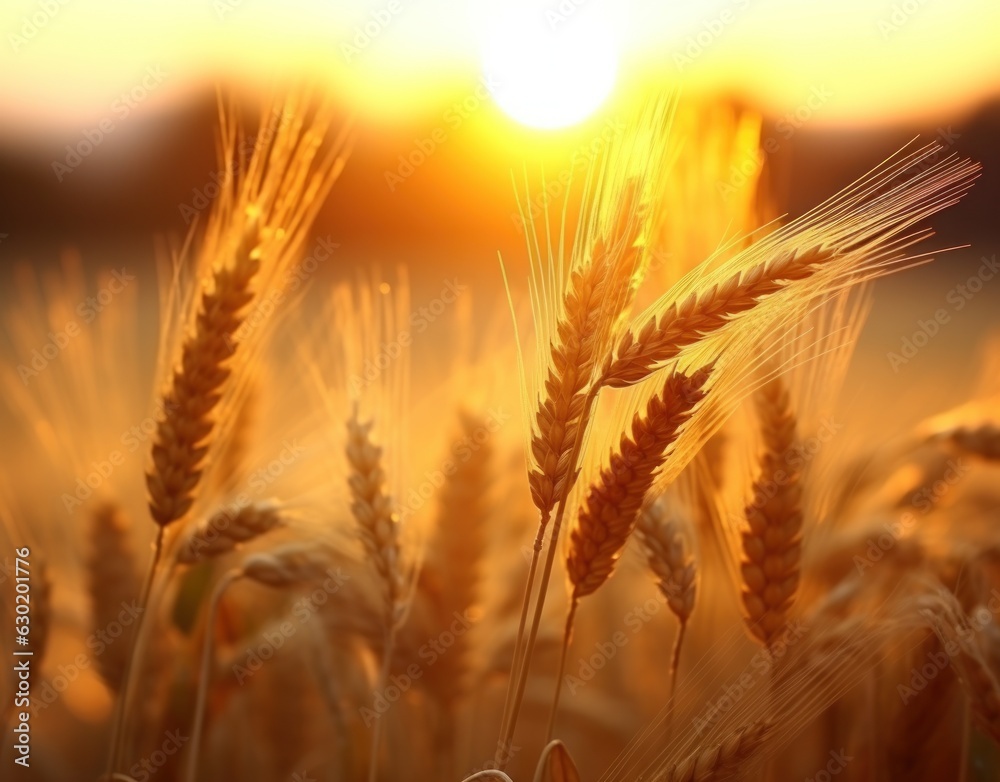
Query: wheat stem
pixel 205 673
pixel 567 638
pixel 383 680
pixel 518 643
pixel 128 675
pixel 675 663
pixel 522 671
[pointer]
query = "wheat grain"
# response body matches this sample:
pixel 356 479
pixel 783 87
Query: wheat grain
pixel 613 501
pixel 179 444
pixel 225 530
pixel 722 761
pixel 372 509
pixel 596 297
pixel 113 581
pixel 639 353
pixel 772 547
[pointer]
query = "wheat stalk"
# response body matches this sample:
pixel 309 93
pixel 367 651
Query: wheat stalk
pixel 112 580
pixel 451 574
pixel 180 440
pixel 226 529
pixel 599 295
pixel 675 573
pixel 614 499
pixel 372 507
pixel 772 545
pixel 640 352
pixel 379 529
pixel 722 761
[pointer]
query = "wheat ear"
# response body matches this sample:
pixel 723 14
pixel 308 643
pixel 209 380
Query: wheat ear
pixel 182 432
pixel 675 573
pixel 379 529
pixel 772 543
pixel 371 505
pixel 722 761
pixel 614 499
pixel 611 507
pixel 599 295
pixel 639 353
pixel 452 575
pixel 225 530
pixel 180 441
pixel 112 580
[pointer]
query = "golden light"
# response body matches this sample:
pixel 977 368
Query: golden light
pixel 549 65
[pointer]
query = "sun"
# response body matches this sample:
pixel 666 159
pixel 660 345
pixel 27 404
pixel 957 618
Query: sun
pixel 549 65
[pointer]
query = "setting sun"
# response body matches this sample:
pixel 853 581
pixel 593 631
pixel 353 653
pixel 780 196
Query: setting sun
pixel 549 67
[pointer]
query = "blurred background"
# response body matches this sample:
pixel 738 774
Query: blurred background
pixel 108 138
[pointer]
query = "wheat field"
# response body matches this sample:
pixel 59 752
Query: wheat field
pixel 250 555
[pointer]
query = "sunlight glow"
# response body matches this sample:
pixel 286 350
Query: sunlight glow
pixel 549 65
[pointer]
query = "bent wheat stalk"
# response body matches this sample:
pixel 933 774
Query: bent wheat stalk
pixel 225 530
pixel 280 569
pixel 639 353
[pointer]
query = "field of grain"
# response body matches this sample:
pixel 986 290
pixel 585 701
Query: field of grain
pixel 632 531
